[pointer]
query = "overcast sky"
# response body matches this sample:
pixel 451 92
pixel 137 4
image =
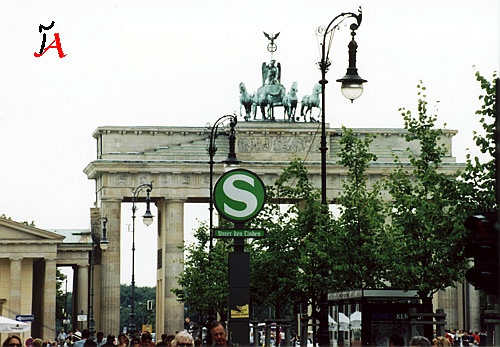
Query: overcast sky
pixel 179 63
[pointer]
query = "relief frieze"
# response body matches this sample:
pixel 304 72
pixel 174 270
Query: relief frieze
pixel 280 144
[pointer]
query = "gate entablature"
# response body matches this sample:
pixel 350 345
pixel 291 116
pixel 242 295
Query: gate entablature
pixel 168 155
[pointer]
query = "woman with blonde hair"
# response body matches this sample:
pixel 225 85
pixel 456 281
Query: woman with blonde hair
pixel 441 341
pixel 183 339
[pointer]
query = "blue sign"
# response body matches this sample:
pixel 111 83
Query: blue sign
pixel 25 317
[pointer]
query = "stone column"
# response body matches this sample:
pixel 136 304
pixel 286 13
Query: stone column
pixel 15 286
pixel 447 300
pixel 109 280
pixel 49 299
pixel 474 309
pixel 171 231
pixel 82 290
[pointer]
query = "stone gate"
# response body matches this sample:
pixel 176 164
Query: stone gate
pixel 176 160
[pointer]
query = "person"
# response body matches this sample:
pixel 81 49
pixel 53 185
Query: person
pixel 441 341
pixel 85 337
pixel 477 339
pixel 187 323
pixel 90 343
pixel 219 334
pixel 456 338
pixel 122 340
pixel 12 341
pixel 135 341
pixel 166 340
pixel 420 341
pixel 183 339
pixel 483 339
pixel 146 339
pixel 396 340
pixel 110 341
pixel 61 337
pixel 100 339
pixel 465 339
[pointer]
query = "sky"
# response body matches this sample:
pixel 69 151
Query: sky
pixel 179 63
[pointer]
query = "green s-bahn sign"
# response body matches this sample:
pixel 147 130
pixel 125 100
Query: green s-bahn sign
pixel 239 195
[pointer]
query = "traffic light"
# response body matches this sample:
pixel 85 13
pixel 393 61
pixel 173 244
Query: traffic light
pixel 483 247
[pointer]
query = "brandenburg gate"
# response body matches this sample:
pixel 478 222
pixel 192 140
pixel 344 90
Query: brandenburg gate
pixel 175 159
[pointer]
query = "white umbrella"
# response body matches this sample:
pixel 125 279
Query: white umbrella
pixel 356 320
pixel 8 325
pixel 343 322
pixel 332 324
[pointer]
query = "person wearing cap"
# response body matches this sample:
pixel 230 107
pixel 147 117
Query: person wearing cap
pixel 85 335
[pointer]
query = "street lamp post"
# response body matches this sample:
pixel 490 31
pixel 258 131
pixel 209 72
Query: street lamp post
pixel 231 159
pixel 148 220
pixel 103 244
pixel 212 150
pixel 352 88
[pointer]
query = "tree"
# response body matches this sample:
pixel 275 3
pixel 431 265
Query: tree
pixel 275 258
pixel 204 280
pixel 358 234
pixel 426 234
pixel 60 295
pixel 480 173
pixel 142 314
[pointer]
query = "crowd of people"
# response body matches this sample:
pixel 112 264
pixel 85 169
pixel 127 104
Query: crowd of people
pixel 145 339
pixel 219 338
pixel 460 338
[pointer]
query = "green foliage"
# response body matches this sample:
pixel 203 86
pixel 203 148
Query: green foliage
pixel 425 237
pixel 480 173
pixel 359 230
pixel 30 224
pixel 204 282
pixel 142 315
pixel 278 261
pixel 60 294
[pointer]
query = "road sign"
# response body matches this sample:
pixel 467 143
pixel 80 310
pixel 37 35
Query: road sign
pixel 250 233
pixel 25 317
pixel 239 195
pixel 81 318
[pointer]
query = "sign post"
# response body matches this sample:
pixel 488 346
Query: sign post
pixel 239 195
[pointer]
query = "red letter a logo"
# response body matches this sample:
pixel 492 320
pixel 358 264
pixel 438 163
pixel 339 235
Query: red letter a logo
pixel 57 45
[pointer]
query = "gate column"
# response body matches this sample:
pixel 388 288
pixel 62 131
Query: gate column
pixel 82 291
pixel 110 270
pixel 15 285
pixel 49 298
pixel 169 312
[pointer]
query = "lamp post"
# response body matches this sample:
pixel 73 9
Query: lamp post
pixel 148 220
pixel 231 160
pixel 103 244
pixel 352 88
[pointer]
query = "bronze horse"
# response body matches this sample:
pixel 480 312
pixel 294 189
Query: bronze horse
pixel 310 101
